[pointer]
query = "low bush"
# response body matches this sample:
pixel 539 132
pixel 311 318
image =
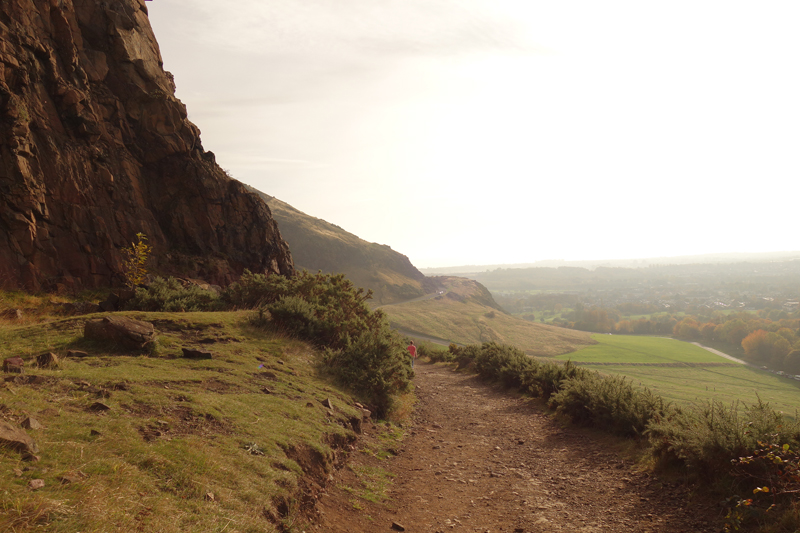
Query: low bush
pixel 360 349
pixel 771 482
pixel 608 402
pixel 705 438
pixel 435 353
pixel 171 296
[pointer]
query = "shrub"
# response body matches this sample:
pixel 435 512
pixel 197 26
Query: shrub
pixel 435 353
pixel 608 402
pixel 135 265
pixel 707 437
pixel 360 349
pixel 170 296
pixel 255 290
pixel 504 363
pixel 374 364
pixel 549 378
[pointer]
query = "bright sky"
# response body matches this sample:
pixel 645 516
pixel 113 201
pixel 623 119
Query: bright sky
pixel 505 131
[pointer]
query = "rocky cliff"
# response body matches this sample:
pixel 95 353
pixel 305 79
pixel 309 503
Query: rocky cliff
pixel 94 148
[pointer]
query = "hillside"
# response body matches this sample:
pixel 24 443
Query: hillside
pixel 465 313
pixel 95 148
pixel 320 245
pixel 132 441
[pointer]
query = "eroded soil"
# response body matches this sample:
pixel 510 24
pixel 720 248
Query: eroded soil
pixel 481 460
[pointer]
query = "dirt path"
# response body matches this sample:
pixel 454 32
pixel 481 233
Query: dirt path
pixel 722 354
pixel 480 460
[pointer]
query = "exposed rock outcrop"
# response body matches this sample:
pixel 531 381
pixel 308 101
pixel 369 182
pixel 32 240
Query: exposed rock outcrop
pixel 94 148
pixel 121 330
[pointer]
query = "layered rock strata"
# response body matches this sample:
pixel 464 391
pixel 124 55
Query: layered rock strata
pixel 95 148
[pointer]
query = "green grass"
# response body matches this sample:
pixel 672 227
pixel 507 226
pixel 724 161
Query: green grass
pixel 177 429
pixel 682 372
pixel 639 349
pixel 470 322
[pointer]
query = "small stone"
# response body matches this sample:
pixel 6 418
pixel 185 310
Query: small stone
pixel 397 527
pixel 94 433
pixel 17 472
pixel 36 484
pixel 31 423
pixel 71 477
pixel 13 365
pixel 77 353
pixel 327 403
pixel 309 404
pixel 210 497
pixel 99 407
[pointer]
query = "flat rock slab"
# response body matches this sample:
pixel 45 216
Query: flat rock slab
pixel 121 330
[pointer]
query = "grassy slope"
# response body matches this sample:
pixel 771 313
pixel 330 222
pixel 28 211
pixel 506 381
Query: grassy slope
pixel 463 315
pixel 319 245
pixel 726 383
pixel 177 429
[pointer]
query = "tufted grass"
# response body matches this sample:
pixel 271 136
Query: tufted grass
pixel 177 430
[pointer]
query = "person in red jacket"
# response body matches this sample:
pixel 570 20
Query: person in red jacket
pixel 413 351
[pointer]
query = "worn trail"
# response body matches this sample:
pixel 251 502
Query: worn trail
pixel 480 459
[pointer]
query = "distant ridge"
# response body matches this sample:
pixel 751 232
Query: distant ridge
pixel 730 257
pixel 319 245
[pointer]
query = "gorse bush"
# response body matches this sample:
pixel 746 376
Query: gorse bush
pixel 705 438
pixel 171 296
pixel 608 402
pixel 360 349
pixel 434 352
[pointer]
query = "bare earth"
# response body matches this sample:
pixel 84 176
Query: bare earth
pixel 478 459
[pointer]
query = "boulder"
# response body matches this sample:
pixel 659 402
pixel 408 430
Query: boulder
pixel 13 365
pixel 120 330
pixel 18 440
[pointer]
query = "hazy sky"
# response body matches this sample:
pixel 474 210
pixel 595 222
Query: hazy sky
pixel 505 131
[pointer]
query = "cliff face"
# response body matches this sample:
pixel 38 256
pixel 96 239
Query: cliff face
pixel 94 148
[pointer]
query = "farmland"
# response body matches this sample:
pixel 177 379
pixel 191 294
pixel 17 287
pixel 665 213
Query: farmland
pixel 685 373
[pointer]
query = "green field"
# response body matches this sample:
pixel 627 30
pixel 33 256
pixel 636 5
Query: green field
pixel 682 372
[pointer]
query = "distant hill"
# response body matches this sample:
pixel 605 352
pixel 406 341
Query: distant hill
pixel 464 312
pixel 718 258
pixel 319 245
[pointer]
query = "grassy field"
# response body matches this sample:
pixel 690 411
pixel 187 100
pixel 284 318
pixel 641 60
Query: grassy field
pixel 185 445
pixel 682 372
pixel 469 322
